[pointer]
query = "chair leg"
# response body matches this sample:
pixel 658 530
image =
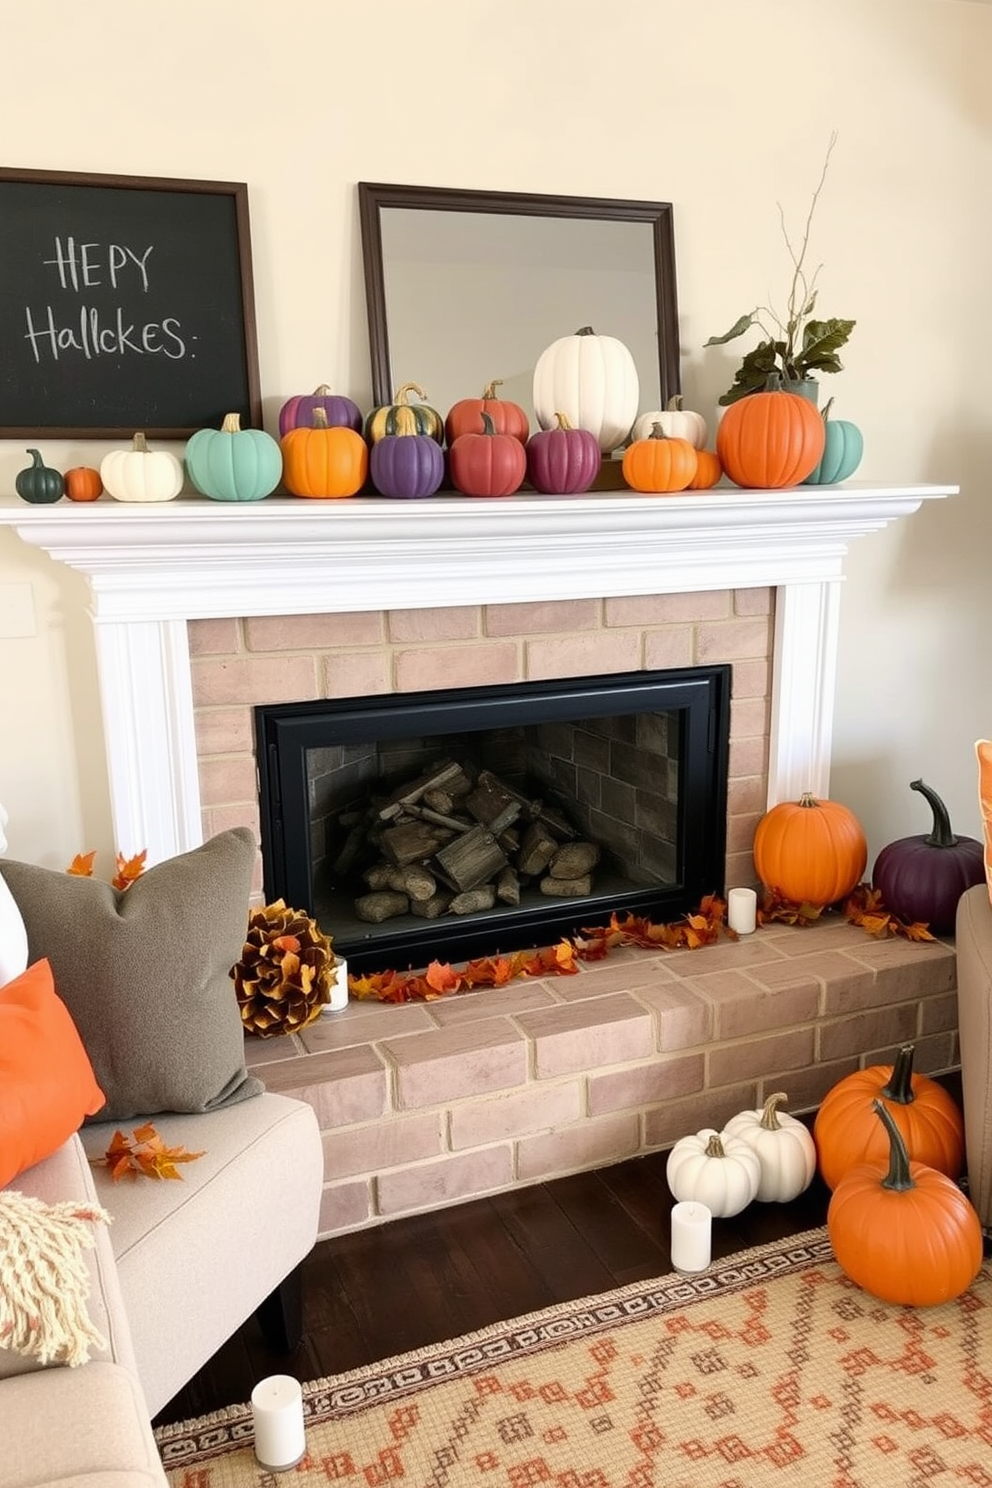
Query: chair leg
pixel 280 1316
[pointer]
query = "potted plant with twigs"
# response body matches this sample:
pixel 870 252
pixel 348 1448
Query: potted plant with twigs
pixel 796 345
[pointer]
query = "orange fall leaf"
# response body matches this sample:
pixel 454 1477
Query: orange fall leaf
pixel 144 1153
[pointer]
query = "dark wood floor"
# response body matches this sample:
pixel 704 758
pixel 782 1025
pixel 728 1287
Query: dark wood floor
pixel 421 1280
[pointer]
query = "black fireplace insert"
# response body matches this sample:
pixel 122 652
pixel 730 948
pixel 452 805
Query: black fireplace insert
pixel 467 822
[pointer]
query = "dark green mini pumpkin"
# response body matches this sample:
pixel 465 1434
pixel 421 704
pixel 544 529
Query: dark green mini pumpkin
pixel 921 879
pixel 38 482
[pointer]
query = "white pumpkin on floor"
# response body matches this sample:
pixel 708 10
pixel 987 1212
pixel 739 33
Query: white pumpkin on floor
pixel 784 1147
pixel 712 1168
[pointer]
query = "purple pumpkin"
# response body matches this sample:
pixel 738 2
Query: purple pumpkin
pixel 920 879
pixel 563 461
pixel 297 413
pixel 406 465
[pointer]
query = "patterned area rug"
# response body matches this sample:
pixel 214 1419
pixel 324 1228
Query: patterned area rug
pixel 769 1364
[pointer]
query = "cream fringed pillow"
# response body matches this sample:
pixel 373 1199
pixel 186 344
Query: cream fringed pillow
pixel 44 1282
pixel 983 750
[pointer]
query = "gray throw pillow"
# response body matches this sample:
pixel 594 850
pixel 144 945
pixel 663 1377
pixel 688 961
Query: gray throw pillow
pixel 145 973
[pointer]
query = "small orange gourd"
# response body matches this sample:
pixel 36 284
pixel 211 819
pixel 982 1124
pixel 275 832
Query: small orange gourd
pixel 847 1133
pixel 83 483
pixel 810 851
pixel 902 1230
pixel 324 460
pixel 658 464
pixel 708 471
pixel 770 440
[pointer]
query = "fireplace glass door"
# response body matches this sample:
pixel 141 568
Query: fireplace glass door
pixel 467 822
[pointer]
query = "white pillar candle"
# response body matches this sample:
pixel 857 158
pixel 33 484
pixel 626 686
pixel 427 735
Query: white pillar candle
pixel 742 910
pixel 339 988
pixel 277 1414
pixel 692 1226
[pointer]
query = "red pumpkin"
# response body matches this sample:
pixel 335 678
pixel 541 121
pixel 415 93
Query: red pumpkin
pixel 770 440
pixel 487 464
pixel 465 417
pixel 563 461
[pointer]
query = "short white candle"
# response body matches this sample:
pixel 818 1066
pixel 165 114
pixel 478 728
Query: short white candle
pixel 277 1414
pixel 339 988
pixel 692 1226
pixel 742 910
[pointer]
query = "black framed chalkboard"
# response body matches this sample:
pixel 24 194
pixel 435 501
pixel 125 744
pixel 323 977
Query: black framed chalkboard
pixel 126 303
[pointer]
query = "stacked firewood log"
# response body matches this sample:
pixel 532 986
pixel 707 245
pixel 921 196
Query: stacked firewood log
pixel 458 841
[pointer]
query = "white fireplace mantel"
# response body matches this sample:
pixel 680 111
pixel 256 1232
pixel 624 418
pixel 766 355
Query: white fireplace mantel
pixel 150 568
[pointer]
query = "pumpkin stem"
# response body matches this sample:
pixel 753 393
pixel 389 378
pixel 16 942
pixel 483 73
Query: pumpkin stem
pixel 585 331
pixel 231 424
pixel 489 391
pixel 403 393
pixel 898 1178
pixel 322 391
pixel 769 1114
pixel 808 799
pixel 674 404
pixel 941 834
pixel 318 418
pixel 564 422
pixel 36 459
pixel 140 443
pixel 488 424
pixel 714 1147
pixel 826 412
pixel 657 431
pixel 900 1083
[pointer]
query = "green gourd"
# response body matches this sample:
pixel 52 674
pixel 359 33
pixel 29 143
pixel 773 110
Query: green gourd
pixel 38 482
pixel 842 450
pixel 233 464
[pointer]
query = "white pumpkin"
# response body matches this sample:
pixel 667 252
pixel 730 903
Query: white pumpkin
pixel 590 379
pixel 141 474
pixel 711 1168
pixel 677 422
pixel 784 1148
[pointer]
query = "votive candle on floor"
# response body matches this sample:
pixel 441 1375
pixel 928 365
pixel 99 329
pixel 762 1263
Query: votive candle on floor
pixel 692 1226
pixel 339 988
pixel 277 1414
pixel 742 910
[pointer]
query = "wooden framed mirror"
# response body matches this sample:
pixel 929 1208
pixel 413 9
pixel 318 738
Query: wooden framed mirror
pixel 464 287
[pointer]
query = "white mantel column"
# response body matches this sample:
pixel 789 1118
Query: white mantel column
pixel 147 702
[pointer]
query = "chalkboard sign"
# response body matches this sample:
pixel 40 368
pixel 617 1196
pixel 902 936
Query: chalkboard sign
pixel 126 303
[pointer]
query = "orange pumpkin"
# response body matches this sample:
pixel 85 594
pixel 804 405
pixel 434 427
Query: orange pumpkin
pixel 659 464
pixel 708 471
pixel 465 417
pixel 846 1132
pixel 902 1230
pixel 83 483
pixel 810 852
pixel 769 440
pixel 324 461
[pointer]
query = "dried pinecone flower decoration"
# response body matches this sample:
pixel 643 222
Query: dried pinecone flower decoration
pixel 285 973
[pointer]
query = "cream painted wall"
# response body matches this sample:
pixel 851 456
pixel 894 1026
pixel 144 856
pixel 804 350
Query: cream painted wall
pixel 723 108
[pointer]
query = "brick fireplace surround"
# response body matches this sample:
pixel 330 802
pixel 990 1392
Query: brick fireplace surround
pixel 200 612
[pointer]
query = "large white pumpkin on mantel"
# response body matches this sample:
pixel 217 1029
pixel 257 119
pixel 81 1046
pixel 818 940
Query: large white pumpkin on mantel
pixel 141 474
pixel 590 379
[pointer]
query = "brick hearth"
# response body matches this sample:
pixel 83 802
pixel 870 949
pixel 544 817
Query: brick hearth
pixel 427 1105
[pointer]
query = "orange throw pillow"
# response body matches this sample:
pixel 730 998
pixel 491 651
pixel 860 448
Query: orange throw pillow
pixel 983 749
pixel 47 1084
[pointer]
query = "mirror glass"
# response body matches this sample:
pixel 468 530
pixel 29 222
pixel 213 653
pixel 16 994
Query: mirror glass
pixel 467 287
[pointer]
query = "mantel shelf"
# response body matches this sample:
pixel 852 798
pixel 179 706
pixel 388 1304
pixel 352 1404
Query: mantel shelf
pixel 195 558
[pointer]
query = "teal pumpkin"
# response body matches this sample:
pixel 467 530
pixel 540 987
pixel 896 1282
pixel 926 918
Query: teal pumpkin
pixel 842 450
pixel 38 482
pixel 233 464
